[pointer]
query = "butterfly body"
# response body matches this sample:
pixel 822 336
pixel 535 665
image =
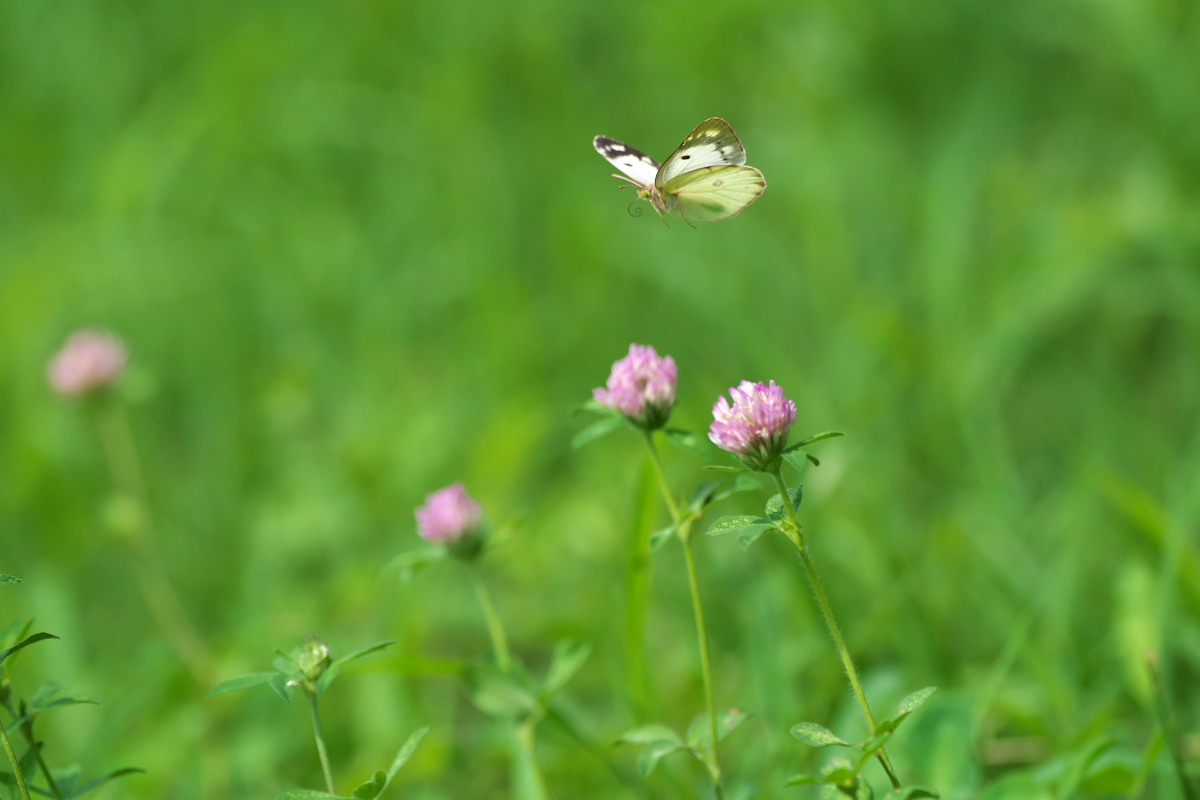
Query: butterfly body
pixel 705 179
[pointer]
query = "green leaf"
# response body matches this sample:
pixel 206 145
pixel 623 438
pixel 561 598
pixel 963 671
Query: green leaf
pixel 799 461
pixel 816 437
pixel 242 682
pixel 46 697
pixel 569 656
pixel 913 701
pixel 6 580
pixel 816 735
pixel 95 783
pixel 727 468
pixel 694 443
pixel 661 537
pixel 37 637
pixel 775 510
pixel 656 751
pixel 804 780
pixel 699 735
pixel 306 794
pixel 364 651
pixel 499 693
pixel 914 792
pixel 371 789
pixel 327 677
pixel 651 732
pixel 739 523
pixel 597 429
pixel 282 685
pixel 750 535
pixel 406 751
pixel 703 495
pixel 410 564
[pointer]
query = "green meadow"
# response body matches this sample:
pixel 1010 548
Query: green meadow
pixel 359 251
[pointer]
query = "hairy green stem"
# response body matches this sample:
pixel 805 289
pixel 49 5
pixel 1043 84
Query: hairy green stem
pixel 796 536
pixel 683 527
pixel 494 626
pixel 16 765
pixel 319 734
pixel 158 593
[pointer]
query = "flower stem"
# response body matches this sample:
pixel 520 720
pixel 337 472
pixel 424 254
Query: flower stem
pixel 322 753
pixel 532 781
pixel 158 593
pixel 494 626
pixel 797 538
pixel 683 527
pixel 16 764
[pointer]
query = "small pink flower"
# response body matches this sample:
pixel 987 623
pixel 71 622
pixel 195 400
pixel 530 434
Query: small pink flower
pixel 755 428
pixel 642 387
pixel 90 360
pixel 448 515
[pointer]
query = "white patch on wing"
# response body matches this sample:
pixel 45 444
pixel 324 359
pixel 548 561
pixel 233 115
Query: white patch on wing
pixel 637 166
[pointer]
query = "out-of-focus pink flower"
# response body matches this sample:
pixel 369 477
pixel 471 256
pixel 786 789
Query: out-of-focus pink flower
pixel 90 360
pixel 642 387
pixel 755 428
pixel 448 515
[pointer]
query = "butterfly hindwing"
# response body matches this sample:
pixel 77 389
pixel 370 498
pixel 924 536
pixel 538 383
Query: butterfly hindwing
pixel 634 164
pixel 712 143
pixel 714 193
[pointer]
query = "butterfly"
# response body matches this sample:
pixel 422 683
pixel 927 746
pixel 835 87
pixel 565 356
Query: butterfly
pixel 705 179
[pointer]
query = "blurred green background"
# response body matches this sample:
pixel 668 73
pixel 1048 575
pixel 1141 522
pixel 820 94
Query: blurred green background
pixel 361 250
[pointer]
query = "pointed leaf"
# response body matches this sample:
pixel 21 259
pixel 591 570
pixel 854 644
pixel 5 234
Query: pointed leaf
pixel 749 536
pixel 568 658
pixel 661 537
pixel 364 651
pixel 799 461
pixel 242 682
pixel 703 495
pixel 654 752
pixel 406 751
pixel 816 437
pixel 699 735
pixel 328 677
pixel 727 468
pixel 499 693
pixel 816 735
pixel 6 580
pixel 913 701
pixel 737 524
pixel 372 788
pixel 97 782
pixel 597 429
pixel 775 510
pixel 694 443
pixel 37 637
pixel 644 734
pixel 804 780
pixel 412 562
pixel 282 685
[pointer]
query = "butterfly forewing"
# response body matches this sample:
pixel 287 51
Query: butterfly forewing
pixel 634 164
pixel 712 143
pixel 711 194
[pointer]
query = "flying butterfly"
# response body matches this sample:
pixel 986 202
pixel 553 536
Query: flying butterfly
pixel 705 179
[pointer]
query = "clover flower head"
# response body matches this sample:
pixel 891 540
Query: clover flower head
pixel 642 387
pixel 755 426
pixel 448 515
pixel 89 361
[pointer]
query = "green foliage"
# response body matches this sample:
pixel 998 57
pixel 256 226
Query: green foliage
pixel 655 741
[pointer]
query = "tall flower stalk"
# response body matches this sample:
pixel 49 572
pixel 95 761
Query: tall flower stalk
pixel 755 428
pixel 641 388
pixel 87 367
pixel 453 519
